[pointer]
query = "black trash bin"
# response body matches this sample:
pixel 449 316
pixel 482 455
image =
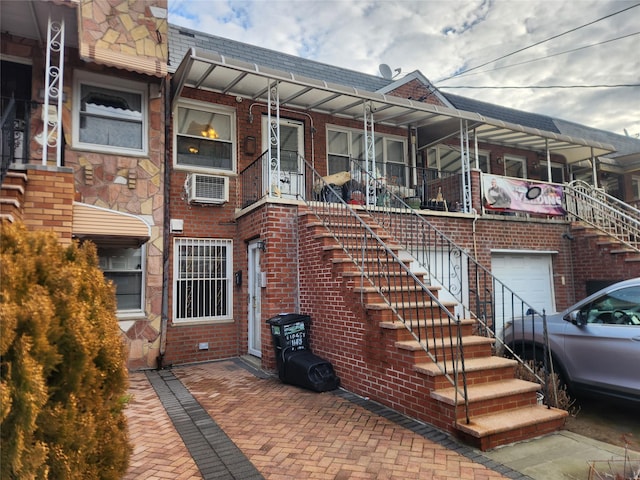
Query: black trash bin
pixel 297 365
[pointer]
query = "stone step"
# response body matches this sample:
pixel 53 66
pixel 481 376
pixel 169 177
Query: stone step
pixel 486 391
pixel 473 346
pixel 500 428
pixel 438 326
pixel 476 371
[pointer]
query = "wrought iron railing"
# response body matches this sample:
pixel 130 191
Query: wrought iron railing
pixel 430 189
pixel 593 206
pixel 478 293
pixel 437 330
pixel 15 133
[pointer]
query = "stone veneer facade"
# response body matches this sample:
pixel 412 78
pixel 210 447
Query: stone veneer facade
pixel 117 39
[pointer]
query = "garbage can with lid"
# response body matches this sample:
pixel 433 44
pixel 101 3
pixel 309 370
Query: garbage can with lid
pixel 297 365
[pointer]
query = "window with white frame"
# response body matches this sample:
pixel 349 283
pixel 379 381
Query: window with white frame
pixel 635 187
pixel 445 158
pixel 390 153
pixel 110 115
pixel 124 267
pixel 204 137
pixel 202 285
pixel 515 167
pixel 557 172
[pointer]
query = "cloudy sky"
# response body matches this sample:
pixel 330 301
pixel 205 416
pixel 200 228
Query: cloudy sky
pixel 595 45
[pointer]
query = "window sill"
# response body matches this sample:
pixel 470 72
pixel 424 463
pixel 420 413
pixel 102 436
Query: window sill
pixel 123 152
pixel 192 323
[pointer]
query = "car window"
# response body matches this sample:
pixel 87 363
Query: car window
pixel 621 307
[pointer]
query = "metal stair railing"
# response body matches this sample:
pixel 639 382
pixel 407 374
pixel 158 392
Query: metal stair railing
pixel 436 329
pixel 593 206
pixel 479 293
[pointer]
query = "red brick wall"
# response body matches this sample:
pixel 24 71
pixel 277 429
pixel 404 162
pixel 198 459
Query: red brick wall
pixel 594 262
pixel 48 200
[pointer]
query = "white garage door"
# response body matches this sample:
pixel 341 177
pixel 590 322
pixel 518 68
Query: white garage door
pixel 529 275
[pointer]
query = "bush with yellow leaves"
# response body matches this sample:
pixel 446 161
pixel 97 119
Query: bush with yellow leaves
pixel 63 376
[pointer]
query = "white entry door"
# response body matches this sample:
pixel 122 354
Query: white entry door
pixel 255 301
pixel 291 181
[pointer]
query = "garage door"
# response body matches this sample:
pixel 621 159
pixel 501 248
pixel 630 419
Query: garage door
pixel 529 275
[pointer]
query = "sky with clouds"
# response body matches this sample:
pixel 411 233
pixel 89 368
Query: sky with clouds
pixel 443 38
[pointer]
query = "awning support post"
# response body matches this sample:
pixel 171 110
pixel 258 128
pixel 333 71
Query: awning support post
pixel 466 173
pixel 370 154
pixel 546 147
pixel 273 153
pixel 595 170
pixel 53 79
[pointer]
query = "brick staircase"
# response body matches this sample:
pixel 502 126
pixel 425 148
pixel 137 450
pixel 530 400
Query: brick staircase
pixel 12 196
pixel 605 243
pixel 502 409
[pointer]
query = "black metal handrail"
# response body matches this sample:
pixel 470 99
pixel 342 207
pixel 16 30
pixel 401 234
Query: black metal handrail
pixel 479 294
pixel 413 303
pixel 14 147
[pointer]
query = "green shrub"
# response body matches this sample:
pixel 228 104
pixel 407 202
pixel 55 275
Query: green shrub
pixel 63 375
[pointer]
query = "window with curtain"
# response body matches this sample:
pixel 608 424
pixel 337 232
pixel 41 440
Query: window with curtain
pixel 204 137
pixel 110 115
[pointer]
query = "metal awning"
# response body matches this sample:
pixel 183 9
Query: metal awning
pixel 103 225
pixel 211 71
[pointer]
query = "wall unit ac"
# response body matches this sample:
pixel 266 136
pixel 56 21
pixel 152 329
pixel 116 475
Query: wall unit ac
pixel 207 189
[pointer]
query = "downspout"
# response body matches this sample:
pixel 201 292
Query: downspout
pixel 165 226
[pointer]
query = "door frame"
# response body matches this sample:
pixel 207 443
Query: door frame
pixel 254 300
pixel 299 125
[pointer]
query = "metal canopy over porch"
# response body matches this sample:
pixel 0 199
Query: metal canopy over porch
pixel 211 71
pixel 214 72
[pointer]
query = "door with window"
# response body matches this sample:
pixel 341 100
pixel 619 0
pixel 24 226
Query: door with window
pixel 290 183
pixel 254 285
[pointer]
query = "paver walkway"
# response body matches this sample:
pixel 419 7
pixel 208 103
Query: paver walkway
pixel 282 432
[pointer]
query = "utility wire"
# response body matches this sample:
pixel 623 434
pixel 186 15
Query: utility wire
pixel 621 85
pixel 541 42
pixel 547 56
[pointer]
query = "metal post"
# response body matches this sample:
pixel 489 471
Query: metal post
pixel 53 81
pixel 546 147
pixel 466 174
pixel 370 154
pixel 273 155
pixel 595 171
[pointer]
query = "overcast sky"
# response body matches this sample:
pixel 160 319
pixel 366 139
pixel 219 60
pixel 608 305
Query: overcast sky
pixel 444 38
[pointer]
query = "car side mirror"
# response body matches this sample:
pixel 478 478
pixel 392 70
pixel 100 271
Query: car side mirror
pixel 576 317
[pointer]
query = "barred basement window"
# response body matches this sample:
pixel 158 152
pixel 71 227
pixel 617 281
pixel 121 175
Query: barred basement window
pixel 202 287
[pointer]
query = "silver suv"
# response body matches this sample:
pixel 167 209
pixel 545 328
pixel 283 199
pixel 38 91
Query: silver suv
pixel 595 344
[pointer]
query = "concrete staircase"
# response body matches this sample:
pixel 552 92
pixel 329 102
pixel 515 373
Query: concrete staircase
pixel 501 408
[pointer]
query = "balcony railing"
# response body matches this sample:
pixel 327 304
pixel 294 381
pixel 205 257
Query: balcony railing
pixel 14 145
pixel 418 187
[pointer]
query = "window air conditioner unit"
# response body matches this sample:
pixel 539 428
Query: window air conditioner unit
pixel 207 189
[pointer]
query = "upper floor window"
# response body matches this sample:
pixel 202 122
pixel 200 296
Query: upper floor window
pixel 109 115
pixel 390 153
pixel 444 158
pixel 635 187
pixel 204 137
pixel 515 167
